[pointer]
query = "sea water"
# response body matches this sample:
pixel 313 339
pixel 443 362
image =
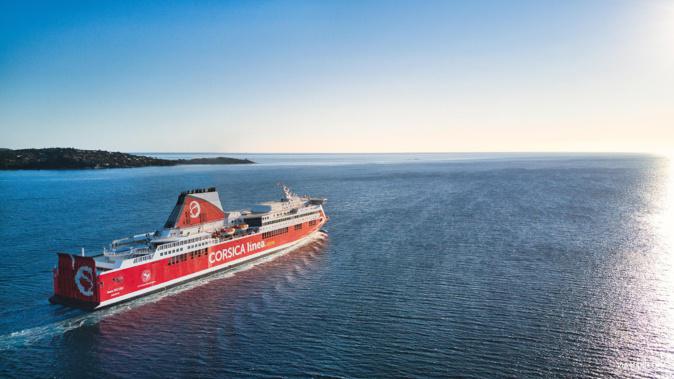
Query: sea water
pixel 435 265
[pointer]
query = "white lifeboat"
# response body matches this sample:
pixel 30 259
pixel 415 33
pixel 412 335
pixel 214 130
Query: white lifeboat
pixel 242 226
pixel 228 231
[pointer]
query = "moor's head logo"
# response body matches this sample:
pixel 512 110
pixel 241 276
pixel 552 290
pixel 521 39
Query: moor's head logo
pixel 84 279
pixel 146 276
pixel 195 209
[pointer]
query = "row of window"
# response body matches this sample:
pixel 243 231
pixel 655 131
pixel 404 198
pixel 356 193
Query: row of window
pixel 288 218
pixel 198 253
pixel 298 227
pixel 185 242
pixel 142 259
pixel 182 248
pixel 177 259
pixel 275 233
pixel 171 251
pixel 183 257
pixel 313 222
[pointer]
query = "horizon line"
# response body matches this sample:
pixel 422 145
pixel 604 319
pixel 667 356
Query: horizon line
pixel 636 152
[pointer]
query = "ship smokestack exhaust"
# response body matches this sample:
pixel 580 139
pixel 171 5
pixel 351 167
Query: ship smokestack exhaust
pixel 196 207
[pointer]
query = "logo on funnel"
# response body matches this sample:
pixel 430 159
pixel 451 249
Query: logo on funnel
pixel 195 209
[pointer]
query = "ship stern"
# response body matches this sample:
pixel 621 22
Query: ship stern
pixel 76 282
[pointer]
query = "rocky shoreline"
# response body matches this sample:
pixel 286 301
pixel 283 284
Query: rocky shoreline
pixel 70 158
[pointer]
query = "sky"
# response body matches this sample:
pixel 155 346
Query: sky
pixel 338 76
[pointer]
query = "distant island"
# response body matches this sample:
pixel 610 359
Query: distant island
pixel 69 158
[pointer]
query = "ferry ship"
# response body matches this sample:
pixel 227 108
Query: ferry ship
pixel 198 238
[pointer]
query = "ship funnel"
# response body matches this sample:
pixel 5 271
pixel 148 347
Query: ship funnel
pixel 195 207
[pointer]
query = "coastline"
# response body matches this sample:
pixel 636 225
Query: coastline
pixel 77 159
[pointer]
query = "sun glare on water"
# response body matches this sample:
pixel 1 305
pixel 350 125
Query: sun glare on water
pixel 664 219
pixel 650 279
pixel 663 226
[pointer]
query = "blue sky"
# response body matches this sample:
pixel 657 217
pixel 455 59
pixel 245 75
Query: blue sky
pixel 343 76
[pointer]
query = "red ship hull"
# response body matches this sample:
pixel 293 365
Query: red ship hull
pixel 78 283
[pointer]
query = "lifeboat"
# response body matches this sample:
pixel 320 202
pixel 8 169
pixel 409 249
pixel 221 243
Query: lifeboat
pixel 228 231
pixel 242 226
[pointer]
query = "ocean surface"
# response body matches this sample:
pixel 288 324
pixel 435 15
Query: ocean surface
pixel 436 265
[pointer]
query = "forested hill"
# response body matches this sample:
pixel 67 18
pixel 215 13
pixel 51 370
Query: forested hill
pixel 70 158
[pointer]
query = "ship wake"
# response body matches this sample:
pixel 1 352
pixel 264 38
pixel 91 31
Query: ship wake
pixel 35 335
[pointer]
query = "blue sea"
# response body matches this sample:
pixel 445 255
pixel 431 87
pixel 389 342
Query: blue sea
pixel 436 265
